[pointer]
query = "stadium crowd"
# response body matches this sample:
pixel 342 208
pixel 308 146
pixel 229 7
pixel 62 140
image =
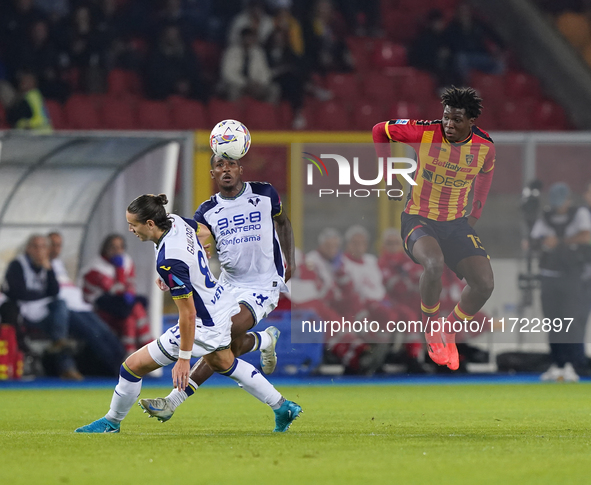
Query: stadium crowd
pixel 316 56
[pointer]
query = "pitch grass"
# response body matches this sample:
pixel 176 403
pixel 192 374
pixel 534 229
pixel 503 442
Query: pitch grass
pixel 402 434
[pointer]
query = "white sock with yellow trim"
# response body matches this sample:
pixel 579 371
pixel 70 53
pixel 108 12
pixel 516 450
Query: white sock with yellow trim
pixel 125 395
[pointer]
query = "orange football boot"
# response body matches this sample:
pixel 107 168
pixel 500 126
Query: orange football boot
pixel 436 348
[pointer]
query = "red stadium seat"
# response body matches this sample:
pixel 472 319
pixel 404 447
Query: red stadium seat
pixel 260 116
pixel 400 25
pixel 405 110
pixel 220 110
pixel 387 54
pixel 367 114
pixel 419 8
pixel 361 49
pixel 154 115
pixel 417 87
pixel 121 82
pixel 56 114
pixel 331 116
pixel 3 122
pixel 81 113
pixel 119 114
pixel 379 86
pixel 432 108
pixel 488 120
pixel 187 114
pixel 516 115
pixel 209 54
pixel 285 114
pixel 489 86
pixel 117 82
pixel 520 84
pixel 343 85
pixel 547 115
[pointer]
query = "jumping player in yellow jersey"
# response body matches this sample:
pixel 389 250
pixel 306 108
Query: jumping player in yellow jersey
pixel 453 154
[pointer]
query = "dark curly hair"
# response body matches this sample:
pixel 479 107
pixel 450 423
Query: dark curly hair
pixel 463 98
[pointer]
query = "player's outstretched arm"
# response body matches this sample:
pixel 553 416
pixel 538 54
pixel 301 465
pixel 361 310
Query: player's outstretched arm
pixel 285 233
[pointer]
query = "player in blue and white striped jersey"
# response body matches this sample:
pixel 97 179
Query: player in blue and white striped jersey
pixel 205 320
pixel 254 241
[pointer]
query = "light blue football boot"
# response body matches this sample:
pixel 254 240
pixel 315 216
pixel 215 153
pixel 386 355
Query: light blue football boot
pixel 285 415
pixel 102 425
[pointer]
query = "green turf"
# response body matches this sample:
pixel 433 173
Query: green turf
pixel 472 434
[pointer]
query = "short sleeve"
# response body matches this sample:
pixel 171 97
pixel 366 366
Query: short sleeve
pixel 202 210
pixel 175 274
pixel 276 207
pixel 267 190
pixel 191 223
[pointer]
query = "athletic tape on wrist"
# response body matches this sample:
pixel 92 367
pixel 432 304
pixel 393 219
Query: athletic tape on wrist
pixel 185 354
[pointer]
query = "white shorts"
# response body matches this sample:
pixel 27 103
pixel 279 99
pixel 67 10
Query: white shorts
pixel 259 302
pixel 165 349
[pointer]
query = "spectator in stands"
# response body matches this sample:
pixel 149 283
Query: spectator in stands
pixel 324 35
pixel 286 22
pixel 40 55
pixel 368 9
pixel 326 261
pixel 121 29
pixel 245 70
pixel 430 50
pixel 287 72
pixel 363 270
pixel 563 234
pixel 54 9
pixel 306 294
pixel 254 18
pixel 85 325
pixel 192 18
pixel 31 282
pixel 400 275
pixel 27 110
pixel 173 68
pixel 16 18
pixel 108 284
pixel 474 45
pixel 85 49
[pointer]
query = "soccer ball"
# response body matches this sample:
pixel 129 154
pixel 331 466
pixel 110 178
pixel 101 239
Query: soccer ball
pixel 230 139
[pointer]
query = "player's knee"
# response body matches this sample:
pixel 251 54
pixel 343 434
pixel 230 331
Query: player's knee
pixel 485 287
pixel 220 361
pixel 433 267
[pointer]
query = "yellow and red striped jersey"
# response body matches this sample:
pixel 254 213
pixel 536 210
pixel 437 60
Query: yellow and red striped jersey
pixel 445 171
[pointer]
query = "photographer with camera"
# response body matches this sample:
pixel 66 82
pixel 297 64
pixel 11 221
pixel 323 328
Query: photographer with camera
pixel 562 235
